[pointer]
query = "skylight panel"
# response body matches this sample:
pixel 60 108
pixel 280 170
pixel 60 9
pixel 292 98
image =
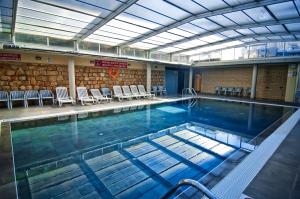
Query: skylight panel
pixel 105 39
pixel 112 35
pixel 245 31
pixel 222 20
pixel 120 31
pixel 205 24
pixel 260 30
pixel 160 39
pixel 212 38
pixel 259 14
pixel 189 5
pixel 230 33
pixel 237 2
pixel 284 10
pixel 143 45
pixel 192 28
pixel 239 17
pixel 169 49
pixel 293 26
pixel 180 32
pixel 137 21
pixel 276 28
pixel 212 4
pixel 170 36
pixel 127 26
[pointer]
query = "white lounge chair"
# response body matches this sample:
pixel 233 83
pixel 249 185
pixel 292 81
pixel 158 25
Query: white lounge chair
pixel 17 96
pixel 63 97
pixel 46 95
pixel 106 92
pixel 32 95
pixel 5 98
pixel 162 90
pixel 142 91
pixel 119 94
pixel 83 96
pixel 127 92
pixel 135 91
pixel 98 96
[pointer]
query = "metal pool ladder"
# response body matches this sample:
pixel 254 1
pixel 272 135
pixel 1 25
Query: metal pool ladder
pixel 200 187
pixel 188 91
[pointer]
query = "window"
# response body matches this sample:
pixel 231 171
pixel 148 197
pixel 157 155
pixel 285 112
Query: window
pixel 33 39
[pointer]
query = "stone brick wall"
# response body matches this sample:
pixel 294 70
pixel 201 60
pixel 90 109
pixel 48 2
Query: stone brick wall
pixel 271 80
pixel 95 77
pixel 25 76
pixel 235 77
pixel 158 77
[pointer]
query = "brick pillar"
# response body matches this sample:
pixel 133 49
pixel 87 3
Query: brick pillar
pixel 71 73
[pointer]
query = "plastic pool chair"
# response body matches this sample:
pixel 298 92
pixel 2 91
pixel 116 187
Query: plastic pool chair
pixel 127 92
pixel 142 91
pixel 46 95
pixel 218 90
pixel 162 90
pixel 62 96
pixel 106 92
pixel 17 96
pixel 98 96
pixel 5 98
pixel 154 90
pixel 135 91
pixel 32 95
pixel 83 96
pixel 119 94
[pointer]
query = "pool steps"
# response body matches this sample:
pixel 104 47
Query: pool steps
pixel 145 167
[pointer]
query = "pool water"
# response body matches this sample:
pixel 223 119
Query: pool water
pixel 157 163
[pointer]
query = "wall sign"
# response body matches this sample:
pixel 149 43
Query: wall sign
pixel 111 64
pixel 10 57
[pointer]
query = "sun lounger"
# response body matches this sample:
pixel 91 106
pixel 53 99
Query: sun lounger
pixel 98 96
pixel 142 91
pixel 119 94
pixel 32 95
pixel 62 96
pixel 4 97
pixel 106 92
pixel 127 92
pixel 135 91
pixel 17 96
pixel 83 96
pixel 162 90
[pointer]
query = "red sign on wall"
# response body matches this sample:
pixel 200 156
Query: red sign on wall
pixel 10 57
pixel 109 64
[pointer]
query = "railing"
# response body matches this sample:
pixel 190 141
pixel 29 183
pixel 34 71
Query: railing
pixel 188 91
pixel 200 187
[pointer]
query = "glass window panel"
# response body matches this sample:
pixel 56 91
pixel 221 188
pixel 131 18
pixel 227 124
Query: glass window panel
pixel 140 53
pixel 112 35
pixel 5 36
pixel 160 39
pixel 58 11
pixel 46 31
pixel 118 31
pixel 127 51
pixel 192 28
pixel 180 58
pixel 293 26
pixel 297 2
pixel 230 33
pixel 189 5
pixel 287 37
pixel 108 49
pixel 170 36
pixel 160 56
pixel 143 45
pixel 180 32
pixel 292 48
pixel 260 30
pixel 165 8
pixel 239 17
pixel 6 3
pixel 275 49
pixel 49 17
pixel 245 31
pixel 237 2
pixel 127 26
pixel 137 21
pixel 107 4
pixel 61 43
pixel 212 38
pixel 169 49
pixel 5 12
pixel 34 32
pixel 257 51
pixel 274 37
pixel 205 24
pixel 248 40
pixel 261 38
pixel 192 43
pixel 228 54
pixel 259 14
pixel 241 53
pixel 276 28
pixel 5 19
pixel 284 10
pixel 212 4
pixel 221 20
pixel 107 39
pixel 47 24
pixel 89 46
pixel 151 41
pixel 145 13
pixel 33 39
pixel 297 36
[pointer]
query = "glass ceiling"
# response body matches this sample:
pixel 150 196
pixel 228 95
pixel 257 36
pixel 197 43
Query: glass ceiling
pixel 169 26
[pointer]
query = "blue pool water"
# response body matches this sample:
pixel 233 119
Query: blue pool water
pixel 43 141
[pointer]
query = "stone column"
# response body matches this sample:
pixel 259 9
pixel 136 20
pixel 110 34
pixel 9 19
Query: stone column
pixel 71 73
pixel 254 78
pixel 191 78
pixel 148 77
pixel 291 83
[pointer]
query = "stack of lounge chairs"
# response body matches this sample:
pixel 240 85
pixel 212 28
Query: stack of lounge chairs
pixel 233 91
pixel 83 96
pixel 159 90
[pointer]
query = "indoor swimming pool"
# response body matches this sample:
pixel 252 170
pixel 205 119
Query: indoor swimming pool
pixel 136 152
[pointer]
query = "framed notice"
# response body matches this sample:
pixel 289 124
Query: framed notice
pixel 111 64
pixel 10 57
